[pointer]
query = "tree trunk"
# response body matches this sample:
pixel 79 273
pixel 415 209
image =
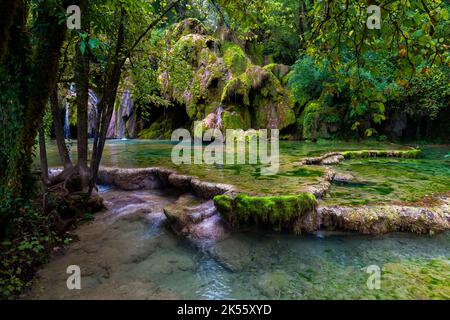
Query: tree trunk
pixel 106 105
pixel 42 80
pixel 43 155
pixel 82 87
pixel 59 130
pixel 7 13
pixel 109 89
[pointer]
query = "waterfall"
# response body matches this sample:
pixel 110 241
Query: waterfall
pixel 219 112
pixel 66 122
pixel 124 113
pixel 70 93
pixel 93 111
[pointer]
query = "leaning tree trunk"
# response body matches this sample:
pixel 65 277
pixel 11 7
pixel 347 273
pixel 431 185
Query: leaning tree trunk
pixel 59 129
pixel 106 105
pixel 109 90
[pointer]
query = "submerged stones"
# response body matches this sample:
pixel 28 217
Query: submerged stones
pixel 273 284
pixel 234 254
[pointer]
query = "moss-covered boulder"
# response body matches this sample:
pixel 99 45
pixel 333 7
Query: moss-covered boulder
pixel 235 58
pixel 193 73
pixel 185 27
pixel 261 91
pixel 236 118
pixel 296 212
pixel 318 120
pixel 204 75
pixel 281 71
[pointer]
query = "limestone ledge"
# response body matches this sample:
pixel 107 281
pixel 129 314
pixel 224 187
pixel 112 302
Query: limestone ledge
pixel 160 178
pixel 300 213
pixel 333 158
pixel 381 219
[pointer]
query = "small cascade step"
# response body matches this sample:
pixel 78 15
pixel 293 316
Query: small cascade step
pixel 192 217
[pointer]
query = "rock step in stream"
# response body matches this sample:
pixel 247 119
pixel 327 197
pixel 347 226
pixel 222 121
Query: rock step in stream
pixel 195 216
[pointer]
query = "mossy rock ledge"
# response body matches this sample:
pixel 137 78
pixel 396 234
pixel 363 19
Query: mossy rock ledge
pixel 296 213
pixel 300 213
pixel 337 157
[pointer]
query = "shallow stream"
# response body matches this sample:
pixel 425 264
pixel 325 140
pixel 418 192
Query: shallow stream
pixel 128 252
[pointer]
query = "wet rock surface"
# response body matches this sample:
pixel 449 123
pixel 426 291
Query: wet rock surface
pixel 343 177
pixel 195 219
pixel 388 218
pixel 159 178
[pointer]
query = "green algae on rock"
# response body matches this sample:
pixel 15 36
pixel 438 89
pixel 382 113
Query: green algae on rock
pixel 235 58
pixel 337 157
pixel 408 154
pixel 204 74
pixel 292 212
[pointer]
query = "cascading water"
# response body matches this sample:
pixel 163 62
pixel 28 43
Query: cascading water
pixel 124 112
pixel 71 92
pixel 93 111
pixel 219 112
pixel 66 122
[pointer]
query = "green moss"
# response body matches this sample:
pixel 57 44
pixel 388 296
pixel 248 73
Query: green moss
pixel 408 154
pixel 236 120
pixel 234 58
pixel 160 129
pixel 186 27
pixel 279 70
pixel 275 210
pixel 310 118
pixel 236 91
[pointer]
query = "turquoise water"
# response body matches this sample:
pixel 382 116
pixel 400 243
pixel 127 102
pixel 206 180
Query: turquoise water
pixel 130 255
pixel 376 180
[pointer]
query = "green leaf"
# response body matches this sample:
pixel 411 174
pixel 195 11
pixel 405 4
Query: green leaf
pixel 83 47
pixel 93 43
